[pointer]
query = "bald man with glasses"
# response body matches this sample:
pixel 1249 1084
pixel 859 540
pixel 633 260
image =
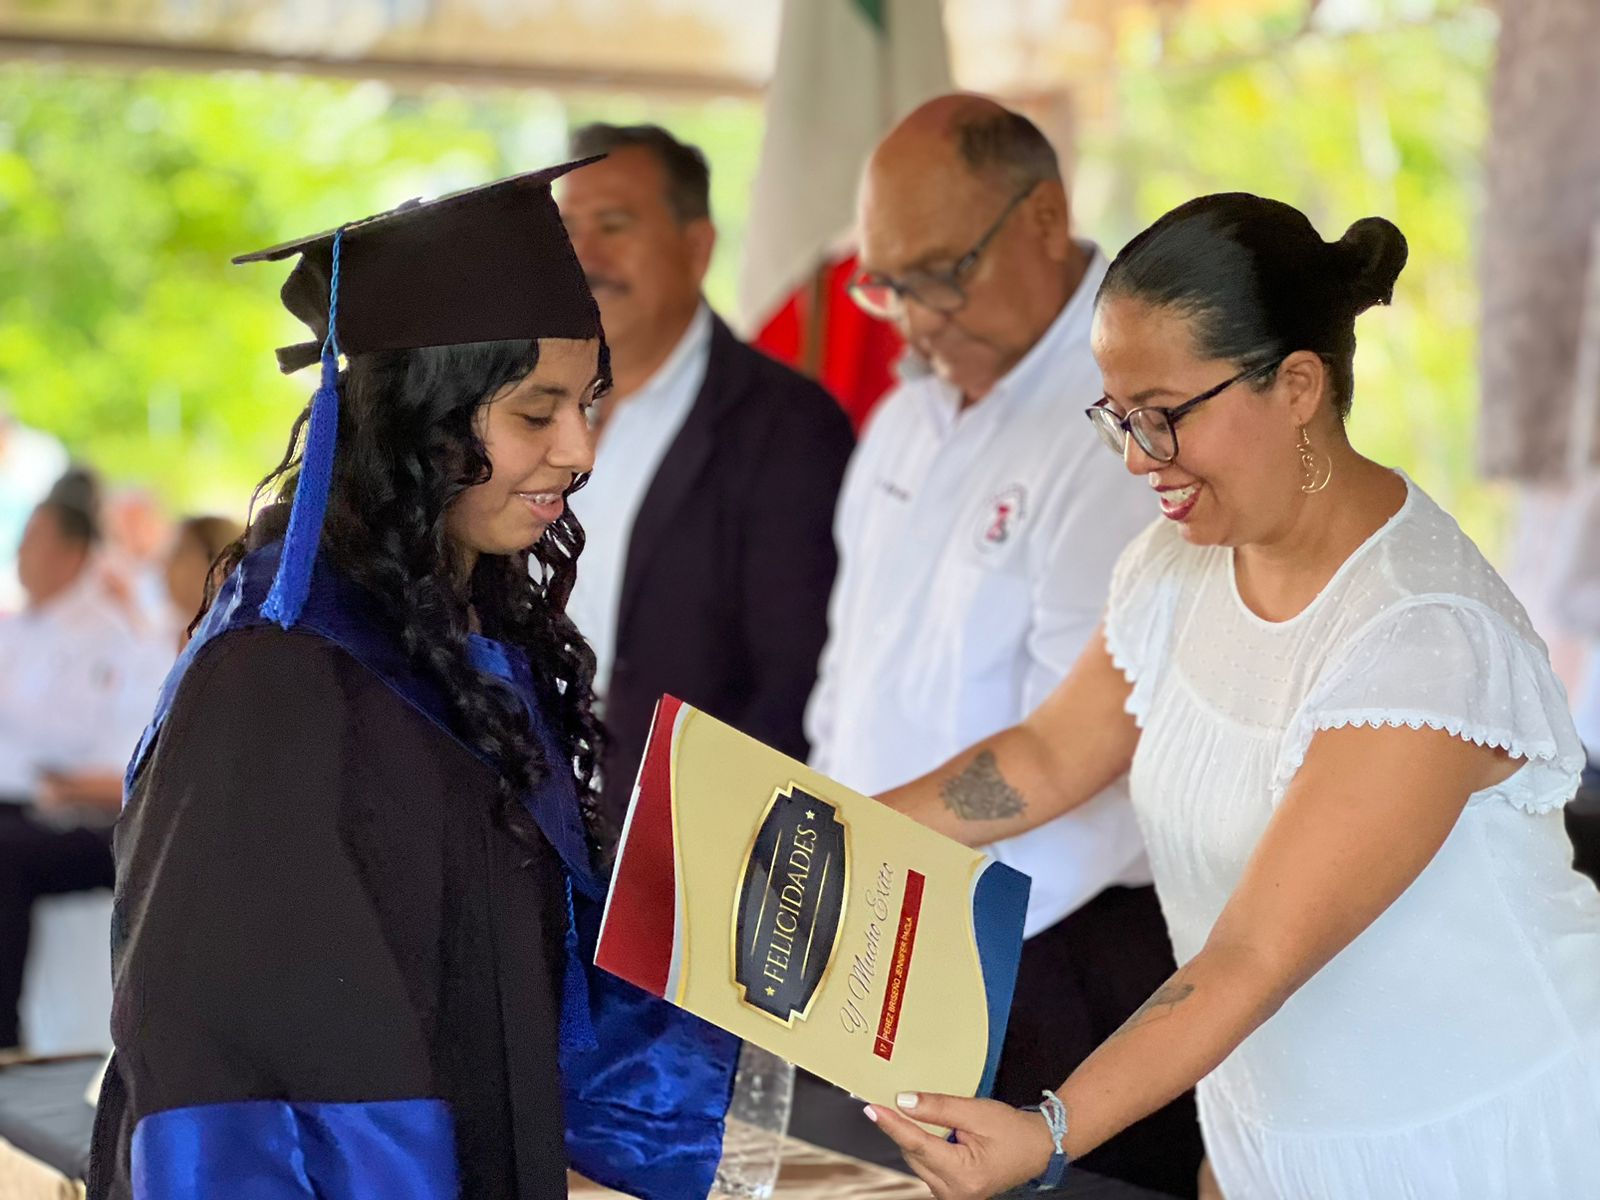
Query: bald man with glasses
pixel 977 529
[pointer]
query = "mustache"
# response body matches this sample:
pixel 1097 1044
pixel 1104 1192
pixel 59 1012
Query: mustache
pixel 605 283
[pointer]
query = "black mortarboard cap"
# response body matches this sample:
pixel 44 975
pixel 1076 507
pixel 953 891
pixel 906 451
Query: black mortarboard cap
pixel 491 263
pixel 487 264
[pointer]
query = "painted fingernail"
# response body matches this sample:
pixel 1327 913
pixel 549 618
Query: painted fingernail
pixel 871 1114
pixel 906 1099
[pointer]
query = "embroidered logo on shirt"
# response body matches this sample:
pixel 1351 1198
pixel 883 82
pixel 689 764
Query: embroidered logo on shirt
pixel 1001 517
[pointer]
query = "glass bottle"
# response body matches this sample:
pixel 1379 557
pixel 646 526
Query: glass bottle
pixel 758 1121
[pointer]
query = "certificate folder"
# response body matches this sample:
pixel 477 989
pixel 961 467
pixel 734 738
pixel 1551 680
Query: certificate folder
pixel 810 919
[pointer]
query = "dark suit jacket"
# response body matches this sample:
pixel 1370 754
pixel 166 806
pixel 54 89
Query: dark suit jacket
pixel 726 581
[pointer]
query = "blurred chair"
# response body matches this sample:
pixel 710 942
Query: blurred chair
pixel 66 990
pixel 45 1123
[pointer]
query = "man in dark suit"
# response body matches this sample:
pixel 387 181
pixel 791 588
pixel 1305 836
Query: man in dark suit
pixel 710 550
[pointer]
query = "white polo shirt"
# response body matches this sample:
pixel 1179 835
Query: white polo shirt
pixel 78 684
pixel 630 452
pixel 976 550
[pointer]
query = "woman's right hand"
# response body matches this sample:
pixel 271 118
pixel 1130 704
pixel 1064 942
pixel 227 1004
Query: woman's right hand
pixel 997 1147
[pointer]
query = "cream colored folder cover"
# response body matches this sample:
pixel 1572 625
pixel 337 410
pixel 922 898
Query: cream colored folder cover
pixel 809 919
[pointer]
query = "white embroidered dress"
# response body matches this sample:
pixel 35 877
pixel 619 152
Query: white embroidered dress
pixel 1453 1049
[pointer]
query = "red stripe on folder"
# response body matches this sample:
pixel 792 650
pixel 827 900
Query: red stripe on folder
pixel 636 942
pixel 899 967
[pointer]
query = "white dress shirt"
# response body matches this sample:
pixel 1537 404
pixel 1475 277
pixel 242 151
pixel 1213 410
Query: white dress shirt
pixel 78 684
pixel 975 554
pixel 632 447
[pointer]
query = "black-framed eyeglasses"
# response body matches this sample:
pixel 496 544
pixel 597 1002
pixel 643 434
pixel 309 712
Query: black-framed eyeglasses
pixel 884 298
pixel 1155 430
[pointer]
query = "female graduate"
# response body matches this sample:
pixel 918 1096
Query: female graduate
pixel 346 953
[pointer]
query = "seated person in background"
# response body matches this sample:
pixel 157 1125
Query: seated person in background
pixel 195 548
pixel 77 685
pixel 138 534
pixel 185 574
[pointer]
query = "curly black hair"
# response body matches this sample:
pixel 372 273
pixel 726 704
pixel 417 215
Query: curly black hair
pixel 407 449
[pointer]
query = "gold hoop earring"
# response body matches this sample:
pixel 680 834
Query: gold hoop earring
pixel 1317 475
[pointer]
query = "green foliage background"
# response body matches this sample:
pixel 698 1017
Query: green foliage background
pixel 124 331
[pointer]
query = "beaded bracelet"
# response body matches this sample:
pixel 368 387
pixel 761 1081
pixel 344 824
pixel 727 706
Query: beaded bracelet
pixel 1055 1116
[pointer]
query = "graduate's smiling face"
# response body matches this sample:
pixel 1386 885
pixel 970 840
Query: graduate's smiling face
pixel 536 434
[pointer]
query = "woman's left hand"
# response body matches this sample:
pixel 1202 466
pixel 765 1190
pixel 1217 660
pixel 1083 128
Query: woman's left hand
pixel 997 1147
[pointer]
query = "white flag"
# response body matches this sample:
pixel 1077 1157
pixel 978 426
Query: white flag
pixel 847 71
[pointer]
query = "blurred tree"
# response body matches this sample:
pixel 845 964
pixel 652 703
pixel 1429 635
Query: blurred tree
pixel 124 329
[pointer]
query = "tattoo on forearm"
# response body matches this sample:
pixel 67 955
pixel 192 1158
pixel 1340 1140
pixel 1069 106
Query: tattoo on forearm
pixel 1167 997
pixel 980 793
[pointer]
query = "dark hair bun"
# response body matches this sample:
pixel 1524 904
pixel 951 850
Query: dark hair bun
pixel 1373 252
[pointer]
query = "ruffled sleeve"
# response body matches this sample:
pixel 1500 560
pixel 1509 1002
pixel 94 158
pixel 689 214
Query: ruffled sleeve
pixel 1141 610
pixel 1450 663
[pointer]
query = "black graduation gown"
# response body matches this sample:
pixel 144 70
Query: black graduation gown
pixel 316 909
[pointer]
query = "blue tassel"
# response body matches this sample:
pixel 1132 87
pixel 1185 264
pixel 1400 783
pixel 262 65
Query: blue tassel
pixel 577 1023
pixel 293 580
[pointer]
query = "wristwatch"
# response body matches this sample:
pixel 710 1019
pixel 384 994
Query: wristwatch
pixel 1055 1116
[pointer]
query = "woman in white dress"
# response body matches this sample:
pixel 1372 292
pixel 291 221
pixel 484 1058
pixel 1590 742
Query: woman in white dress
pixel 1348 755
